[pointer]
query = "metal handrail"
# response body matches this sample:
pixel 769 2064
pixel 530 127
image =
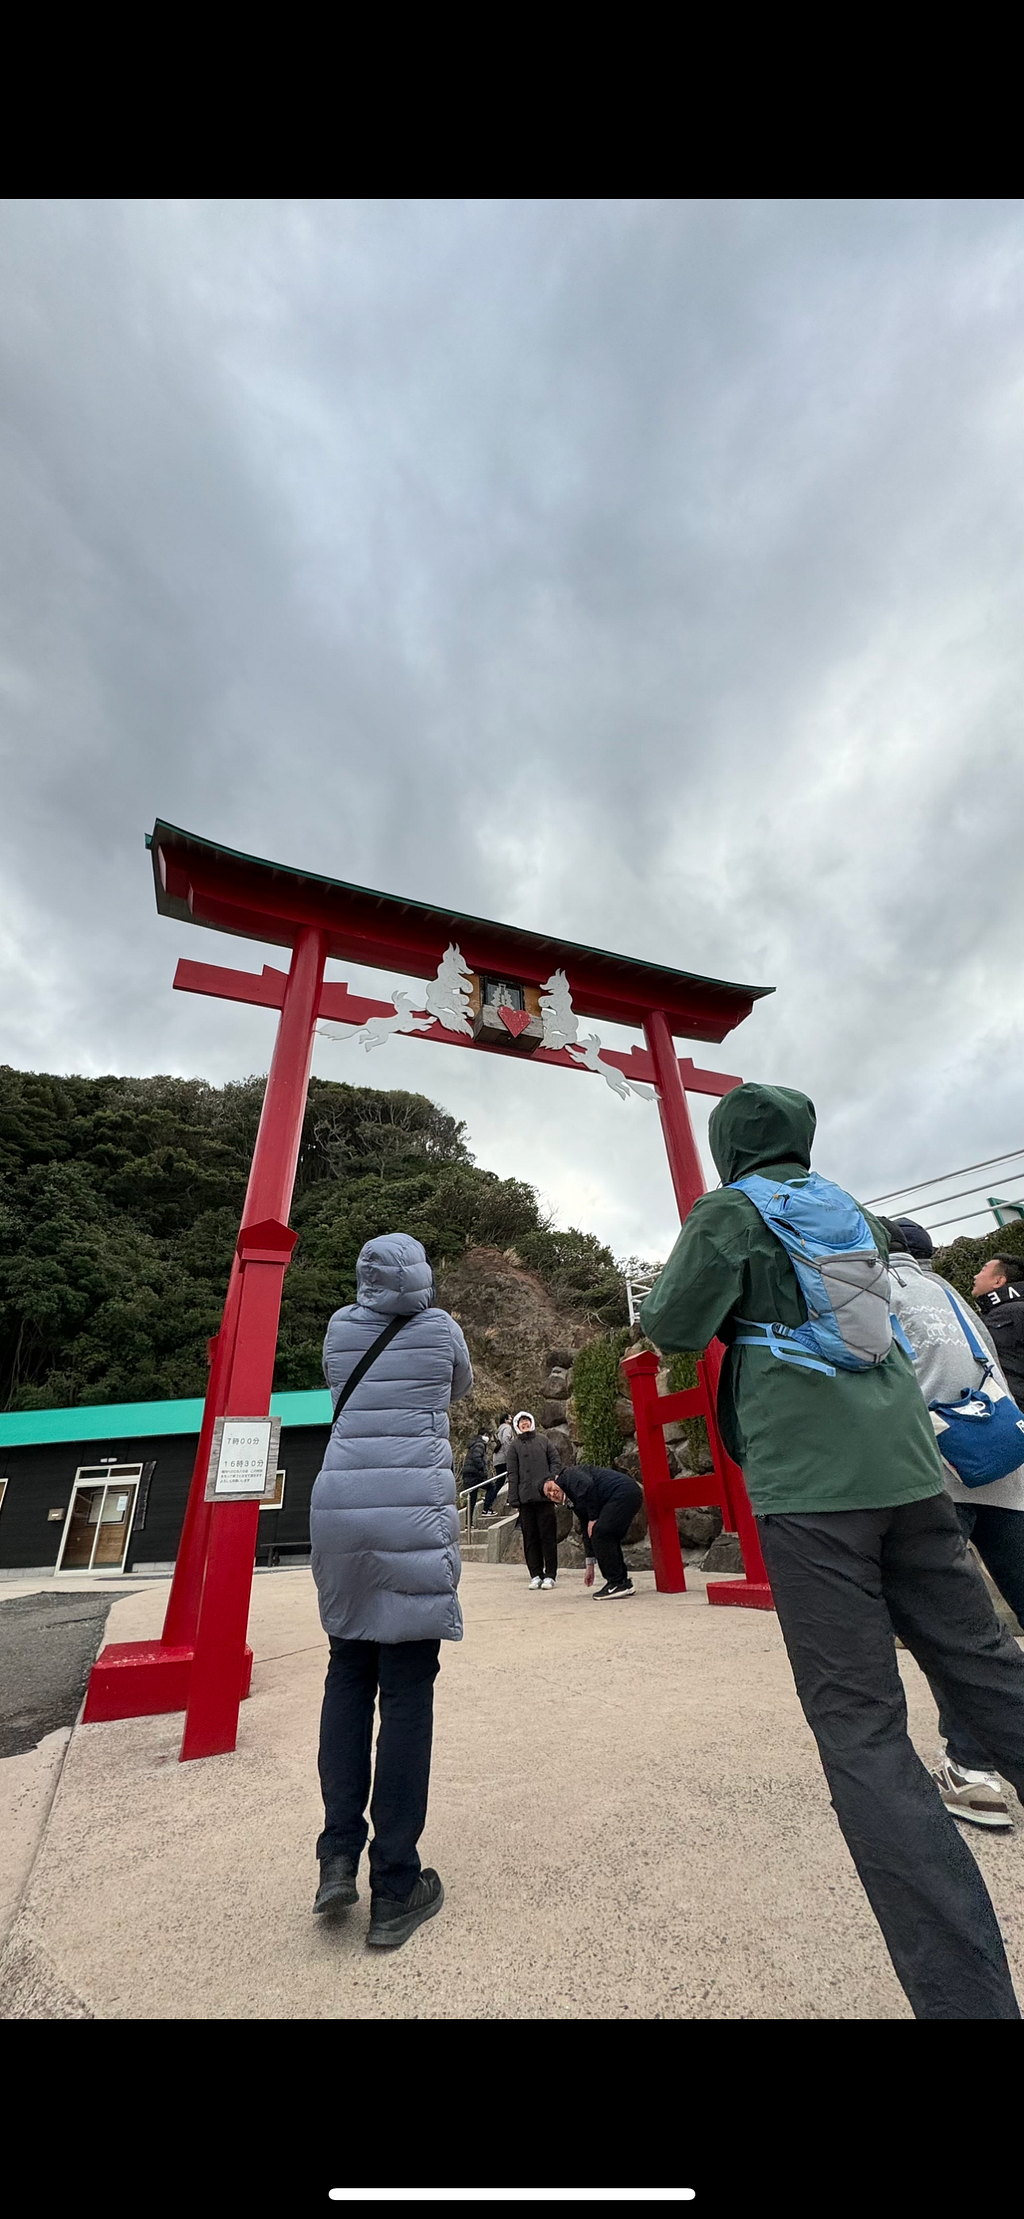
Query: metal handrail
pixel 637 1291
pixel 466 1496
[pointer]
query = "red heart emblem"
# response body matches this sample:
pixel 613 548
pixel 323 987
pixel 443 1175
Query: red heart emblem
pixel 516 1020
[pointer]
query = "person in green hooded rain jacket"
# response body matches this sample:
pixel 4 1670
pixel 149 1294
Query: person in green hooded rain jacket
pixel 861 1544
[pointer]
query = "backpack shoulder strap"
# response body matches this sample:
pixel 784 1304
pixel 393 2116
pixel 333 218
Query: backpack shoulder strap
pixel 756 1189
pixel 370 1355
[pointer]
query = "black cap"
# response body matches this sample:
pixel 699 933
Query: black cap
pixel 914 1238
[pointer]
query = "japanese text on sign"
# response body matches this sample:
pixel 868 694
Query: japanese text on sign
pixel 242 1457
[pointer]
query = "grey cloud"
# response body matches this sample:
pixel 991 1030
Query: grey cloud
pixel 646 571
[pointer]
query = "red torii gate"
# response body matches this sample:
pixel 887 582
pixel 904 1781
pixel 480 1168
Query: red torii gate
pixel 202 1664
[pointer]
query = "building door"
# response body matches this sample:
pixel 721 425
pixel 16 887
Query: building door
pixel 99 1521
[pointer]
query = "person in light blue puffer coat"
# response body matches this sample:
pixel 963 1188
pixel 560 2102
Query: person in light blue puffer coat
pixel 385 1559
pixel 383 1520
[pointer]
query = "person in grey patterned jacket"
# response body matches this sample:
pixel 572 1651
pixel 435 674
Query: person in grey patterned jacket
pixel 385 1559
pixel 992 1517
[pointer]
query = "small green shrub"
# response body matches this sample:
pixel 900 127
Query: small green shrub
pixel 682 1375
pixel 596 1383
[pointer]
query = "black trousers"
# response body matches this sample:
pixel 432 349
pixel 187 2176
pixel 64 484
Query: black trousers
pixel 540 1538
pixel 607 1538
pixel 402 1673
pixel 843 1583
pixel 998 1536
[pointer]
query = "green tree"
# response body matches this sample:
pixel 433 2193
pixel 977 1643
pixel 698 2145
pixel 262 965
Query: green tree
pixel 120 1201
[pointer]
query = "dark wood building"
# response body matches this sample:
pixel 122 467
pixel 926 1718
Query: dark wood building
pixel 104 1488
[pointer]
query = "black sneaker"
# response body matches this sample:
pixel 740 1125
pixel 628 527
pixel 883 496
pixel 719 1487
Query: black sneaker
pixel 337 1890
pixel 600 1592
pixel 625 1587
pixel 392 1921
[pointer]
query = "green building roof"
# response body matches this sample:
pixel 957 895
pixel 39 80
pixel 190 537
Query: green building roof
pixel 135 1421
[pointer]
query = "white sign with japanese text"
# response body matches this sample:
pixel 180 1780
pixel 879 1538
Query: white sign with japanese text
pixel 243 1459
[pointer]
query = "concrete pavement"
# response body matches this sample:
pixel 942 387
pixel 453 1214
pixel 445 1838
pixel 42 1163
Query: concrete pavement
pixel 626 1809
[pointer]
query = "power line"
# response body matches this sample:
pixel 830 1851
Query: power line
pixel 957 1195
pixel 914 1186
pixel 963 1219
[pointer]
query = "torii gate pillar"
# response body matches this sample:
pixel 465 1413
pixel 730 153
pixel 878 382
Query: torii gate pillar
pixel 663 1495
pixel 202 1664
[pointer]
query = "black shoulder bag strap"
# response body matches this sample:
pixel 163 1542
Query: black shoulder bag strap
pixel 376 1348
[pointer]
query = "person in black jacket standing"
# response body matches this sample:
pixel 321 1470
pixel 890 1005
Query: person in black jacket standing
pixel 532 1461
pixel 999 1295
pixel 474 1476
pixel 606 1503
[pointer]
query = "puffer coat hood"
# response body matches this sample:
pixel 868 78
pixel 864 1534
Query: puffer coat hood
pixel 757 1125
pixel 394 1277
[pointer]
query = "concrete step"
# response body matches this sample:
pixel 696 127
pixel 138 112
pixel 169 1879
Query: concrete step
pixel 485 1545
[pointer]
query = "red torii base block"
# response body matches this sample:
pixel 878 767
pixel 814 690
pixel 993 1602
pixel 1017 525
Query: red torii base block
pixel 143 1679
pixel 664 1495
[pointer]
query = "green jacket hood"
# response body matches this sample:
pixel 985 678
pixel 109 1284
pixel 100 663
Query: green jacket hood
pixel 757 1125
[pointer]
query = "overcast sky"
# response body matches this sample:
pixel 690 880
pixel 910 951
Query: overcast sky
pixel 643 571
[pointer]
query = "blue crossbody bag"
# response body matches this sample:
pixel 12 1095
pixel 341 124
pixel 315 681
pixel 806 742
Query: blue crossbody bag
pixel 982 1435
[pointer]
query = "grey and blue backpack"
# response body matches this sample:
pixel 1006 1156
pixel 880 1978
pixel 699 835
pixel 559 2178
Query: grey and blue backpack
pixel 843 1280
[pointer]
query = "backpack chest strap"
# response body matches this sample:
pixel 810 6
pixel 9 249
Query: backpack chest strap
pixel 783 1341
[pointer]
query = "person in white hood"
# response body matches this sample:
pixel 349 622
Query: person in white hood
pixel 992 1517
pixel 531 1460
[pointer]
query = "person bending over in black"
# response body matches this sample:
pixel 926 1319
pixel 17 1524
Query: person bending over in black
pixel 606 1503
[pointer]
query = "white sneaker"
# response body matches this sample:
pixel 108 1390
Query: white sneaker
pixel 536 1583
pixel 547 1583
pixel 978 1797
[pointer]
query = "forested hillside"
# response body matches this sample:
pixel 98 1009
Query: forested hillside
pixel 120 1202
